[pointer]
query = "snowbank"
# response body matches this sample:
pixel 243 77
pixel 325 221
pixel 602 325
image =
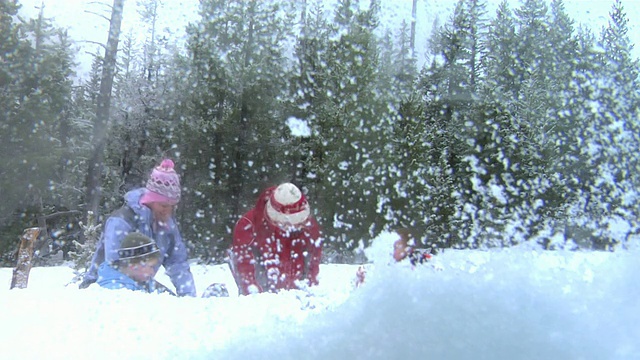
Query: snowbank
pixel 518 303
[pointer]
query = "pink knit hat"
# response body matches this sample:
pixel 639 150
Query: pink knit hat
pixel 163 185
pixel 287 205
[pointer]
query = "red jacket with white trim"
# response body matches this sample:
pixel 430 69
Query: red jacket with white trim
pixel 271 258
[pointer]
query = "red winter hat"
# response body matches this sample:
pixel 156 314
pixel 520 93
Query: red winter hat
pixel 163 185
pixel 287 205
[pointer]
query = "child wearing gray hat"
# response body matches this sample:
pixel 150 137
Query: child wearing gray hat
pixel 139 259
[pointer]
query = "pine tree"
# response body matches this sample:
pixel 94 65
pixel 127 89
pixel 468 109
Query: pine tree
pixel 449 87
pixel 354 123
pixel 500 60
pixel 309 96
pixel 535 86
pixel 612 139
pixel 398 63
pixel 397 81
pixel 35 78
pixel 239 73
pixel 532 52
pixel 142 132
pixel 37 87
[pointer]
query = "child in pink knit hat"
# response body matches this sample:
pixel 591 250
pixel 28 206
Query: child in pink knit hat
pixel 149 211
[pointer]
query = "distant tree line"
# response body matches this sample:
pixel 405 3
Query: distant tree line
pixel 519 127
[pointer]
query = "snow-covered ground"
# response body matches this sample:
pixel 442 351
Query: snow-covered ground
pixel 519 303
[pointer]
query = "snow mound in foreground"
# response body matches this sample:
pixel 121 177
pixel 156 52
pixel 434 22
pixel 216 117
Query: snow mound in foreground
pixel 476 305
pixel 508 304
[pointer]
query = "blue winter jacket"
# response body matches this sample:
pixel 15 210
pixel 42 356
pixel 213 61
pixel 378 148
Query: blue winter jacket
pixel 169 241
pixel 111 278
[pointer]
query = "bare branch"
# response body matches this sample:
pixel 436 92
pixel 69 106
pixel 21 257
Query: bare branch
pixel 93 42
pixel 101 3
pixel 62 213
pixel 96 14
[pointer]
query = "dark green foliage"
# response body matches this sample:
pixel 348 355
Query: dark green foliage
pixel 338 93
pixel 512 148
pixel 519 127
pixel 35 94
pixel 238 72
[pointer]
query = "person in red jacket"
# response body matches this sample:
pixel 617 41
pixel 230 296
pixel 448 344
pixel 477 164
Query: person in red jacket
pixel 277 244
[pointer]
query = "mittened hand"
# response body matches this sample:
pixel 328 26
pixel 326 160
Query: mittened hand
pixel 426 255
pixel 254 289
pixel 420 256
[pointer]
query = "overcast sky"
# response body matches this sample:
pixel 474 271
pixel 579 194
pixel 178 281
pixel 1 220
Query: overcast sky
pixel 176 14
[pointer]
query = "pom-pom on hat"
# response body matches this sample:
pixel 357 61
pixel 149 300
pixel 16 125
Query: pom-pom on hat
pixel 287 205
pixel 163 185
pixel 137 247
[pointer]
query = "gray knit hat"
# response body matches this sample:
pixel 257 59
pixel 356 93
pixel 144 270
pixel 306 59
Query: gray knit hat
pixel 137 247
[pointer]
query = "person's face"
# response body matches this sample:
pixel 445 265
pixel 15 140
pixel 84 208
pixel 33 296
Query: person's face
pixel 400 250
pixel 142 271
pixel 161 211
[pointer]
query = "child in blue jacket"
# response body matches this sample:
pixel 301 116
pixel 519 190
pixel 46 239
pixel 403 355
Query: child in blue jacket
pixel 137 264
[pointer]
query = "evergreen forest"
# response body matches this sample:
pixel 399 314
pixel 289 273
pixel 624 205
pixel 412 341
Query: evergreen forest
pixel 519 126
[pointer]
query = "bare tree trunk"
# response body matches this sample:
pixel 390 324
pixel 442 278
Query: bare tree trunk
pixel 20 277
pixel 474 47
pixel 240 156
pixel 413 28
pixel 96 160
